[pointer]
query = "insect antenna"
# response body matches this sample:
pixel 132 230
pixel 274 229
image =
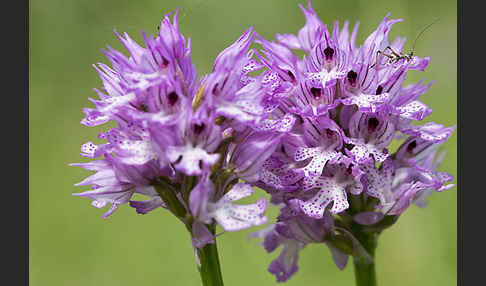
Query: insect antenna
pixel 418 36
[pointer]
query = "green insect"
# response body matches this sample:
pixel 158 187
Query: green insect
pixel 395 56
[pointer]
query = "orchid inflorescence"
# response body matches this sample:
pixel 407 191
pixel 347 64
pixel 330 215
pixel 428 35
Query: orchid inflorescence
pixel 314 132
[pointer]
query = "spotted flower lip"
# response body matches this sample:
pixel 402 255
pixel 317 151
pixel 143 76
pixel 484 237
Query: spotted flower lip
pixel 333 187
pixel 233 217
pixel 370 133
pixel 324 138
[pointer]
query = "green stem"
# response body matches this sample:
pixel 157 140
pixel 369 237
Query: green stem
pixel 364 269
pixel 169 197
pixel 210 268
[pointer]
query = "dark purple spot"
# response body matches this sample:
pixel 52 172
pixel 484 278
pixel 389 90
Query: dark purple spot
pixel 329 53
pixel 316 92
pixel 165 62
pixel 411 146
pixel 379 90
pixel 215 89
pixel 329 132
pixel 291 75
pixel 198 128
pixel 173 97
pixel 349 170
pixel 373 124
pixel 352 76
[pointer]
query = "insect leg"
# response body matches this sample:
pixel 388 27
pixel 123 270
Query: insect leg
pixel 382 53
pixel 396 54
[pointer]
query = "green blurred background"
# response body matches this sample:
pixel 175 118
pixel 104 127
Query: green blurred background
pixel 70 244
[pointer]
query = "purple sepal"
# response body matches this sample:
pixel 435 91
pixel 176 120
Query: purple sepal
pixel 143 207
pixel 201 235
pixel 339 258
pixel 286 264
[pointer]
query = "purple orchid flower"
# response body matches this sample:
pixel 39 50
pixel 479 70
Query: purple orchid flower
pixel 313 131
pixel 167 146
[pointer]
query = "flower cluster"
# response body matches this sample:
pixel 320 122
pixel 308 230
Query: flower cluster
pixel 313 132
pixel 174 133
pixel 332 173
